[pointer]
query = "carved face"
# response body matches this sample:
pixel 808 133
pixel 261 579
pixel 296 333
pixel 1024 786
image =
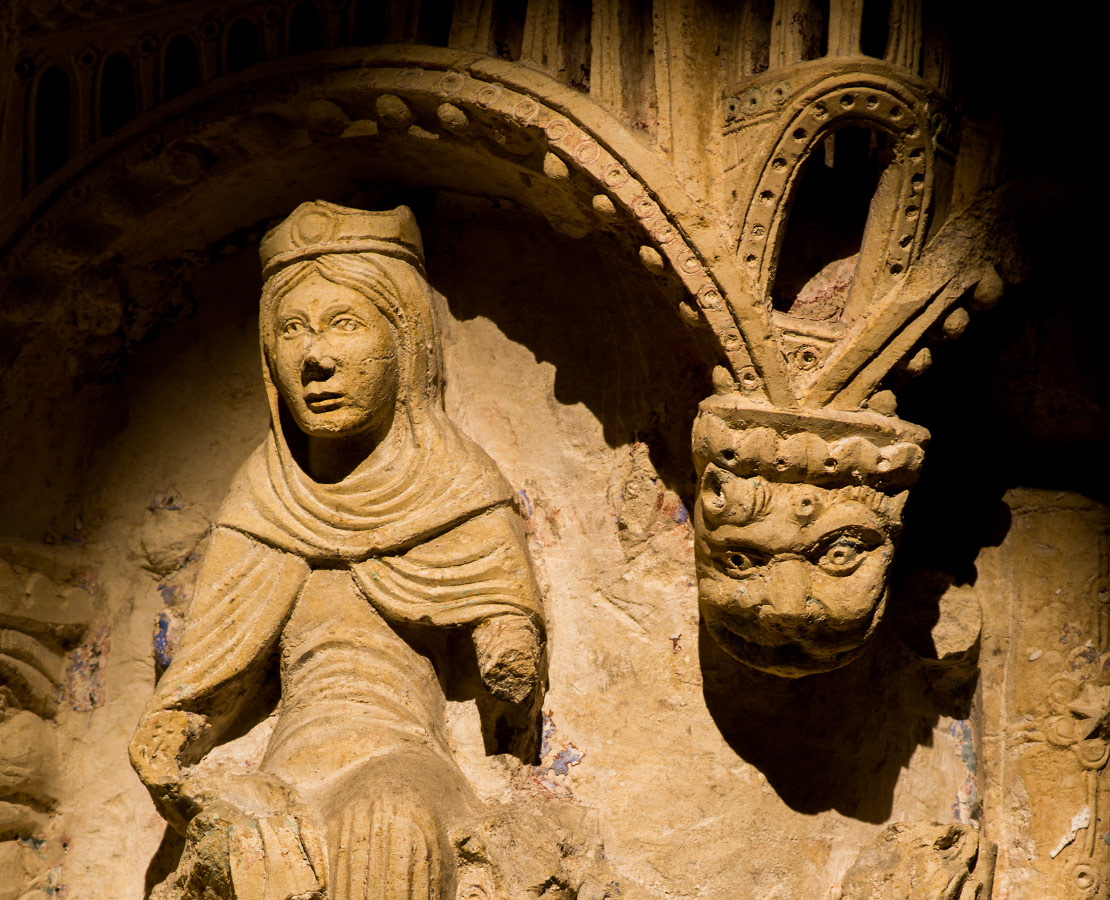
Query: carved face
pixel 792 577
pixel 334 359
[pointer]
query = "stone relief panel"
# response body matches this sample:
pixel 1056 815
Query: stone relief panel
pixel 1045 600
pixel 802 466
pixel 41 667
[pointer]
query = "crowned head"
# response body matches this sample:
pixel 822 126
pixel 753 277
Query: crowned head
pixel 347 323
pixel 796 517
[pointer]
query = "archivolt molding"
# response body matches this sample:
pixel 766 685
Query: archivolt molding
pixel 499 109
pixel 771 126
pixel 835 102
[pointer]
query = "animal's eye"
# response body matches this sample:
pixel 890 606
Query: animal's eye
pixel 739 561
pixel 843 555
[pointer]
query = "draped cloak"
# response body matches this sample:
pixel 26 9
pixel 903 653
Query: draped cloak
pixel 425 526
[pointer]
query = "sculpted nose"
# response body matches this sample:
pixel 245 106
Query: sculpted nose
pixel 789 582
pixel 318 364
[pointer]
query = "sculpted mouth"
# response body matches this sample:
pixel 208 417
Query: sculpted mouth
pixel 322 401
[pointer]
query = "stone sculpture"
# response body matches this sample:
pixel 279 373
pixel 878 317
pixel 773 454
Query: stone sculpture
pixel 39 622
pixel 803 464
pixel 796 518
pixel 922 860
pixel 364 516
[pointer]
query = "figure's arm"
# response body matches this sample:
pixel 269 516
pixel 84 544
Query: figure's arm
pixel 243 597
pixel 477 574
pixel 508 648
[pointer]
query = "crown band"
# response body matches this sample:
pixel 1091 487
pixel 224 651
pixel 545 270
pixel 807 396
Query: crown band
pixel 825 447
pixel 318 228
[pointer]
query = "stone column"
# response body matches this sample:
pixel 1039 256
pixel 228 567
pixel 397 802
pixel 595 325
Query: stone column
pixel 1046 697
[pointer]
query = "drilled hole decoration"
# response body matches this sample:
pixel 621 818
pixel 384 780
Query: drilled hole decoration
pixel 587 151
pixel 688 262
pixel 780 93
pixel 556 130
pixel 450 83
pixel 615 177
pixel 644 207
pixel 806 358
pixel 749 379
pixel 664 233
pixel 525 110
pixel 709 298
pixel 487 95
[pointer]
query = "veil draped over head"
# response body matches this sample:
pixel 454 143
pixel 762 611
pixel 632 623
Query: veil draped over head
pixel 425 476
pixel 425 523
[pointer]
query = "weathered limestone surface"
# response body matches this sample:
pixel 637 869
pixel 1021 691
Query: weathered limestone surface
pixel 1045 748
pixel 545 646
pixel 637 697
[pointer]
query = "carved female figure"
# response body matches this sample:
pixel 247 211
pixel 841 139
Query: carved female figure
pixel 364 513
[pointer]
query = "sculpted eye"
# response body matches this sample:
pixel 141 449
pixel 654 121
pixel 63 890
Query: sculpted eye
pixel 843 555
pixel 291 328
pixel 739 561
pixel 346 323
pixel 736 561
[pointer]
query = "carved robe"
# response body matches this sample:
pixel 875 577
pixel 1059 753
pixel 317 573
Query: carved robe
pixel 423 531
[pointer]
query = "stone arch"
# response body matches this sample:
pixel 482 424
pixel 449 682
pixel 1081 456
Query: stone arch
pixel 444 114
pixel 897 225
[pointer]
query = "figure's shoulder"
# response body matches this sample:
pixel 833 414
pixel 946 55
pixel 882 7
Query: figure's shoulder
pixel 497 528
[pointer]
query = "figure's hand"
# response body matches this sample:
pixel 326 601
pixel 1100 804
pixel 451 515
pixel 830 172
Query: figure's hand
pixel 159 751
pixel 508 648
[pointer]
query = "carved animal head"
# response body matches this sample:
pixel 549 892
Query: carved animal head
pixel 796 520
